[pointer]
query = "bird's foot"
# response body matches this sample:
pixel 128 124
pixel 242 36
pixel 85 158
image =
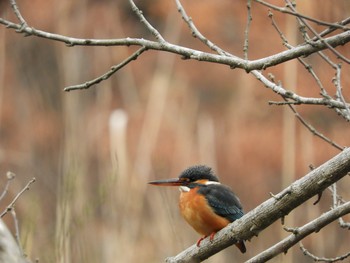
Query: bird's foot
pixel 200 240
pixel 211 238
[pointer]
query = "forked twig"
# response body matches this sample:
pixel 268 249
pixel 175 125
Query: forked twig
pixel 12 204
pixel 144 21
pixel 337 83
pixel 322 259
pixel 307 66
pixel 197 34
pixel 301 19
pixel 18 15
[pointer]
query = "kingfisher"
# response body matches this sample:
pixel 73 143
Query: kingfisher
pixel 205 203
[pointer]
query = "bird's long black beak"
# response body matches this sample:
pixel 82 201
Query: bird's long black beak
pixel 168 182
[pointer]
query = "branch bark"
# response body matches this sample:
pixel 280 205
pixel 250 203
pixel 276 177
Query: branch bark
pixel 271 210
pixel 188 53
pixel 301 232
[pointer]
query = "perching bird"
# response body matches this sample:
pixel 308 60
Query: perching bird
pixel 206 205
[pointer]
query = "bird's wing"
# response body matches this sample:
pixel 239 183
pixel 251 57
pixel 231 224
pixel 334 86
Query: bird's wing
pixel 223 201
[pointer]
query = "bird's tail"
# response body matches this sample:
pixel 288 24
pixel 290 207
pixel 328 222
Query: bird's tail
pixel 241 246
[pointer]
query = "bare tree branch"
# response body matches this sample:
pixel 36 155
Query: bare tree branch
pixel 187 53
pixel 301 232
pixel 296 98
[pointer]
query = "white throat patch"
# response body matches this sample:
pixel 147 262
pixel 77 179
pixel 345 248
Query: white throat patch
pixel 184 189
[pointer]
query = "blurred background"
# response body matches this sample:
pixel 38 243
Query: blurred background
pixel 93 151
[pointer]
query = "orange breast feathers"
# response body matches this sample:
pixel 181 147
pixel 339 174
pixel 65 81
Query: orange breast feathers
pixel 197 212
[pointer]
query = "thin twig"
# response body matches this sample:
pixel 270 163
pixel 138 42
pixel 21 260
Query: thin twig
pixel 197 34
pixel 18 15
pixel 286 102
pixel 290 5
pixel 334 195
pixel 337 200
pixel 344 224
pixel 277 88
pixel 291 12
pixel 311 71
pixel 337 83
pixel 341 112
pixel 108 74
pixel 10 176
pixel 340 199
pixel 307 66
pixel 334 66
pixel 144 21
pixel 322 259
pixel 247 28
pixel 17 235
pixel 279 31
pixel 313 130
pixel 332 29
pixel 12 204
